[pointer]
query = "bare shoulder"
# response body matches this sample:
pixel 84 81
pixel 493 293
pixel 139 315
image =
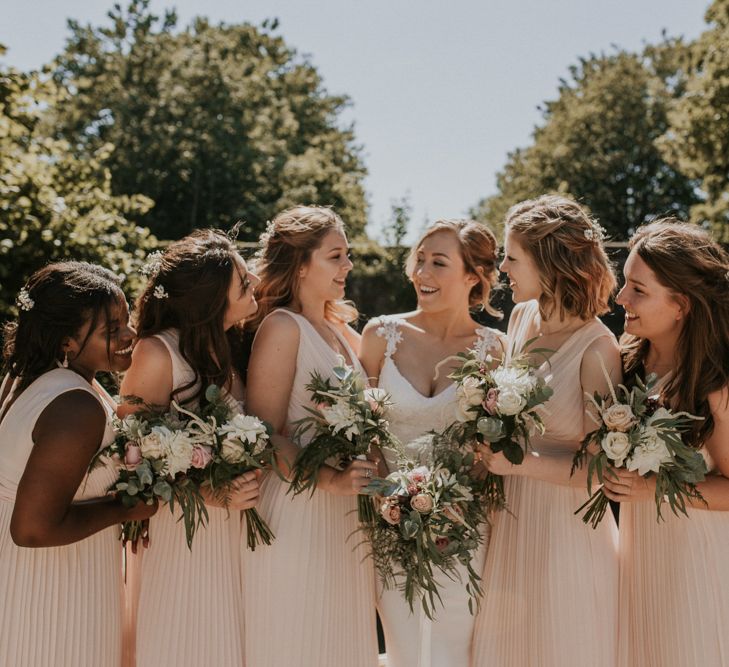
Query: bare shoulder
pixel 278 326
pixel 276 341
pixel 151 355
pixel 603 352
pixel 89 416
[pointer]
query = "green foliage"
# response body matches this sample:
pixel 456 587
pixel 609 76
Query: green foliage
pixel 215 123
pixel 55 205
pixel 697 141
pixel 598 143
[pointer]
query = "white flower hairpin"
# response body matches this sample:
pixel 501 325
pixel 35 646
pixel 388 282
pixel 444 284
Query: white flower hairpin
pixel 24 302
pixel 595 233
pixel 153 265
pixel 159 292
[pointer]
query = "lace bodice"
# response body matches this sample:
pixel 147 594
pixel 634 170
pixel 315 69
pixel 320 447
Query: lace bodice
pixel 414 414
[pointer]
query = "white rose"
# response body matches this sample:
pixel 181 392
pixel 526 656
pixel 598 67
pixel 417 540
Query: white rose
pixel 151 444
pixel 510 402
pixel 232 451
pixel 616 445
pixel 618 417
pixel 245 428
pixel 650 454
pixel 341 417
pixel 470 391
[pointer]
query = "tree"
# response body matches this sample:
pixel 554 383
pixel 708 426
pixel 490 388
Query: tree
pixel 54 205
pixel 697 141
pixel 598 144
pixel 215 123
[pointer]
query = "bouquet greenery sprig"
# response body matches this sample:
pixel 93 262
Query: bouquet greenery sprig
pixel 498 406
pixel 428 521
pixel 349 418
pixel 636 432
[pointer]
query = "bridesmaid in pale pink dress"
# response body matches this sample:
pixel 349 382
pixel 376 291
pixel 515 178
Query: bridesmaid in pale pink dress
pixel 60 574
pixel 550 581
pixel 189 610
pixel 309 598
pixel 674 588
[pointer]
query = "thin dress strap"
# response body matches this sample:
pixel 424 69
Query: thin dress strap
pixel 389 329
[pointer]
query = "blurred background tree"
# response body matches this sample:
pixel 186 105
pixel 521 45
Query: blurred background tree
pixel 214 123
pixel 53 204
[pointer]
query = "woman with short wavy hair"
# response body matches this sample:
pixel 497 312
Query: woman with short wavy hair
pixel 550 580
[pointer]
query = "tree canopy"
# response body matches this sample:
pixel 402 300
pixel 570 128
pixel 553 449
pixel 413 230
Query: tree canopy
pixel 214 123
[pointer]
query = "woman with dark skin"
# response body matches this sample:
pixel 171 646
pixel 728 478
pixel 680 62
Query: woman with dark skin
pixel 63 595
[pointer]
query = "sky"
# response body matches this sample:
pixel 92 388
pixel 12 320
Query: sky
pixel 440 91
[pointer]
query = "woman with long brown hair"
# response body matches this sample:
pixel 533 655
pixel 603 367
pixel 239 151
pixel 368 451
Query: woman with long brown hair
pixel 309 599
pixel 550 581
pixel 60 560
pixel 674 592
pixel 189 322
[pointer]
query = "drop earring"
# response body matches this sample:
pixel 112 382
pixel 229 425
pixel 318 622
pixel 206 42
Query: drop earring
pixel 65 360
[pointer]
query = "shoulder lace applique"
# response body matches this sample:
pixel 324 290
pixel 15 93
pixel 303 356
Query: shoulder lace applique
pixel 488 340
pixel 389 330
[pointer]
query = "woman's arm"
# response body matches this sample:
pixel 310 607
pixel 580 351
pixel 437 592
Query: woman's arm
pixel 45 514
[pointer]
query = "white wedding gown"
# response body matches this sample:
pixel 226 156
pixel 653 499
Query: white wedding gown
pixel 411 639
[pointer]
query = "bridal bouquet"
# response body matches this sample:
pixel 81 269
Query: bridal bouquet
pixel 348 419
pixel 636 432
pixel 428 521
pixel 498 407
pixel 169 455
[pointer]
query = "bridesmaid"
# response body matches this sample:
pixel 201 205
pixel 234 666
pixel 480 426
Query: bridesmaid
pixel 309 599
pixel 674 592
pixel 61 573
pixel 452 268
pixel 188 319
pixel 550 581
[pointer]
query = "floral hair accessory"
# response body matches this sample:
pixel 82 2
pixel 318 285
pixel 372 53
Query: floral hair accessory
pixel 153 265
pixel 24 302
pixel 159 292
pixel 595 233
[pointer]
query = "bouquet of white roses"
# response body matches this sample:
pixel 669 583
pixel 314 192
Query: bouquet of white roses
pixel 349 419
pixel 636 432
pixel 239 443
pixel 499 407
pixel 427 522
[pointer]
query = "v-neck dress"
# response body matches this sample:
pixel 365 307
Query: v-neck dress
pixel 310 596
pixel 550 581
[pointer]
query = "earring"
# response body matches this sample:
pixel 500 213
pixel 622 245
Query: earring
pixel 65 360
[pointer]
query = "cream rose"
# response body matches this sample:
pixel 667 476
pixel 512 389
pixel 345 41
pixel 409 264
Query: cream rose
pixel 471 391
pixel 232 450
pixel 423 503
pixel 618 417
pixel 151 445
pixel 510 402
pixel 650 454
pixel 390 513
pixel 616 445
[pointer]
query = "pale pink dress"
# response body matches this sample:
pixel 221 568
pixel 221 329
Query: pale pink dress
pixel 674 588
pixel 550 581
pixel 61 606
pixel 310 596
pixel 190 605
pixel 411 639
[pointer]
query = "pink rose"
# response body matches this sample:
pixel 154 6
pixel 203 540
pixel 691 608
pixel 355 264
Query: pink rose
pixel 441 543
pixel 390 513
pixel 423 503
pixel 132 455
pixel 489 403
pixel 201 456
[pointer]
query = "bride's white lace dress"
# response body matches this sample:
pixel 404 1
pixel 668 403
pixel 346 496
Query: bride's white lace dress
pixel 411 639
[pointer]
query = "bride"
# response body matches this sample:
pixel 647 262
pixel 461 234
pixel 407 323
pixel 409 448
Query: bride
pixel 452 268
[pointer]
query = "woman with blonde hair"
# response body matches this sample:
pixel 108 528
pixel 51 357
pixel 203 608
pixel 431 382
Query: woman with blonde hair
pixel 674 593
pixel 453 270
pixel 550 580
pixel 309 598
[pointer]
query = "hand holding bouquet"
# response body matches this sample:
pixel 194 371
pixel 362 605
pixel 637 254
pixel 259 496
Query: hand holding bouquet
pixel 349 419
pixel 637 433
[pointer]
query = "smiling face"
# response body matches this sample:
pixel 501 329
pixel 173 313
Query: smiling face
pixel 108 347
pixel 325 274
pixel 652 310
pixel 241 294
pixel 521 270
pixel 439 274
